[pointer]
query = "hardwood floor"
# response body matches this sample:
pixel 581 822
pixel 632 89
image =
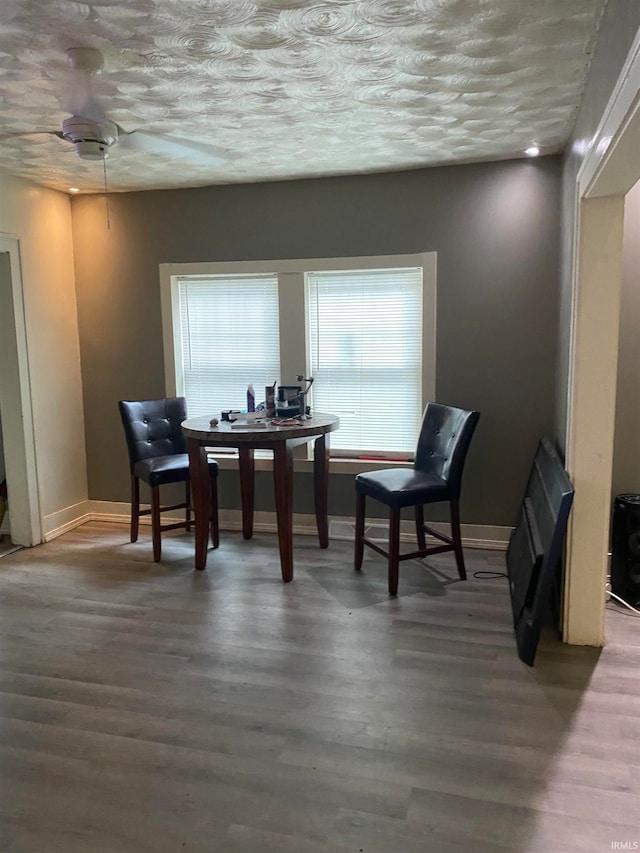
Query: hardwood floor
pixel 147 707
pixel 7 546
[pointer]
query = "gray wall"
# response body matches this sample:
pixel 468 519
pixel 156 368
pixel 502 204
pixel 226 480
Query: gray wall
pixel 626 456
pixel 618 28
pixel 494 226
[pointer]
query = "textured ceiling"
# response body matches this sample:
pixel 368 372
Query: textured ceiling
pixel 293 88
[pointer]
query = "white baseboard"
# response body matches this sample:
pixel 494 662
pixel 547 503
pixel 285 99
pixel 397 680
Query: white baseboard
pixel 265 522
pixel 230 519
pixel 116 512
pixel 66 519
pixel 491 537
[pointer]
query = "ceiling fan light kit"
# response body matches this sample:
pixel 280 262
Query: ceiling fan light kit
pixel 90 140
pixel 91 150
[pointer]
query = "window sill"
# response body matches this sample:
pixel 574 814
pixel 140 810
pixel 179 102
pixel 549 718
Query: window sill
pixel 337 465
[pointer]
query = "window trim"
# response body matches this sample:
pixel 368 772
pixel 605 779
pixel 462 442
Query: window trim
pixel 292 294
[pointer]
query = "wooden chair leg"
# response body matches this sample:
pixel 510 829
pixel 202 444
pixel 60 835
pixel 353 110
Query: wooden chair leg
pixel 155 522
pixel 359 545
pixel 187 501
pixel 394 550
pixel 419 512
pixel 215 527
pixel 135 507
pixel 457 539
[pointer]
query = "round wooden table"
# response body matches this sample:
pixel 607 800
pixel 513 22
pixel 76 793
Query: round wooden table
pixel 281 440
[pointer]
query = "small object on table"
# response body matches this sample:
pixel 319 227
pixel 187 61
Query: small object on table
pixel 288 404
pixel 270 400
pixel 213 422
pixel 247 416
pixel 251 399
pixel 248 424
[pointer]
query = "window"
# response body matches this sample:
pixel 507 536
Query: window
pixel 365 340
pixel 228 338
pixel 364 328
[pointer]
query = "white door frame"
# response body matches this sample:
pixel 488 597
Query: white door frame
pixel 609 170
pixel 15 401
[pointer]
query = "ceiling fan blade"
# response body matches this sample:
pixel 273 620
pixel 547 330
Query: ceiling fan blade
pixel 140 140
pixel 16 134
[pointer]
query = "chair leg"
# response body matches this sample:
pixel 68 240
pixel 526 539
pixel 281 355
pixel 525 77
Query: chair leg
pixel 422 542
pixel 359 545
pixel 135 507
pixel 394 550
pixel 187 502
pixel 457 539
pixel 155 522
pixel 215 527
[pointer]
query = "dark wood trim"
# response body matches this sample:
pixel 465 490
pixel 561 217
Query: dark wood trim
pixel 283 484
pixel 135 507
pixel 321 487
pixel 201 496
pixel 155 523
pixel 358 555
pixel 246 465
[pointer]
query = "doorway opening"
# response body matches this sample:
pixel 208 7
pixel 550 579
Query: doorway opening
pixel 609 170
pixel 21 521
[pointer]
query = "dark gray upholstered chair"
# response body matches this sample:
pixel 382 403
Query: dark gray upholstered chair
pixel 158 456
pixel 436 476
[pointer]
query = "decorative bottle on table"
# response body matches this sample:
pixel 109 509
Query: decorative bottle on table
pixel 270 400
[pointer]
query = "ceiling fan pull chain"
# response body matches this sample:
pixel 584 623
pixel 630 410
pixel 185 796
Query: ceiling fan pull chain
pixel 106 190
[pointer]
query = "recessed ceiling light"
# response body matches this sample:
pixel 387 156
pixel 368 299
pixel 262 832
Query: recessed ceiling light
pixel 74 190
pixel 532 151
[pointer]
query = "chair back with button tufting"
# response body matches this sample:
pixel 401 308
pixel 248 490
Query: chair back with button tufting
pixel 443 443
pixel 152 427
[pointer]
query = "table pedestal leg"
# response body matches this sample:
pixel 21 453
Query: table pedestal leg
pixel 321 487
pixel 201 496
pixel 247 489
pixel 283 482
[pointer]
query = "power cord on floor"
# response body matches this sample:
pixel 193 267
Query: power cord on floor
pixel 622 601
pixel 487 575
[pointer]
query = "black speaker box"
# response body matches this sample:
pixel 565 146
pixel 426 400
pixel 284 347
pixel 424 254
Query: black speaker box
pixel 625 548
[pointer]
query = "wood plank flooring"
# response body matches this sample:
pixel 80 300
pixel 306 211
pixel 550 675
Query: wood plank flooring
pixel 148 707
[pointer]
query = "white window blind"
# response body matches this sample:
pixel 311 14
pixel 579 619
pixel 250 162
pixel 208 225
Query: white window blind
pixel 365 339
pixel 229 339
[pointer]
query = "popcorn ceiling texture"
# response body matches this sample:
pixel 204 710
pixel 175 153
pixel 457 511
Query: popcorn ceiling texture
pixel 294 88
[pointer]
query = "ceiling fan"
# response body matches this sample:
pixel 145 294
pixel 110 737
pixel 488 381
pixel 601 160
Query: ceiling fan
pixel 93 134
